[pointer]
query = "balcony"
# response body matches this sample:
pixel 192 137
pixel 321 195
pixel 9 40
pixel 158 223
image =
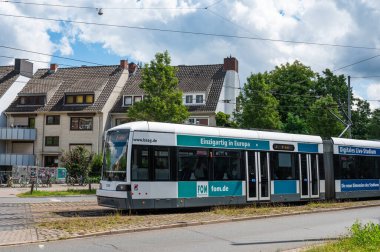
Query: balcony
pixel 21 134
pixel 17 159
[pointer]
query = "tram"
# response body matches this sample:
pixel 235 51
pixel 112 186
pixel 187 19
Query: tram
pixel 151 165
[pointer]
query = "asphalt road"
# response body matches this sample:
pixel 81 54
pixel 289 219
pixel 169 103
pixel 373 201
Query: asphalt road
pixel 271 234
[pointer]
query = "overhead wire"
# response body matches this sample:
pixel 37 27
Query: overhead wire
pixel 51 55
pixel 193 32
pixel 39 61
pixel 99 7
pixel 357 62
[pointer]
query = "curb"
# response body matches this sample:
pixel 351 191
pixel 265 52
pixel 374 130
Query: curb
pixel 189 224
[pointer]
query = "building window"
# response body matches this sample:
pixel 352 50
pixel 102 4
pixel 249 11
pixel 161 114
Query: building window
pixel 69 99
pixel 137 99
pixel 119 121
pixel 32 100
pixel 52 141
pixel 79 99
pixel 52 120
pixel 189 99
pixel 81 123
pixel 127 100
pixel 199 99
pixel 51 161
pixel 198 121
pixel 89 99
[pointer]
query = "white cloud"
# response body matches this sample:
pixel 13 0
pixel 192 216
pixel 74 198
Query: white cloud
pixel 373 93
pixel 320 21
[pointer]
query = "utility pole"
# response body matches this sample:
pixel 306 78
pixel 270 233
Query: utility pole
pixel 349 104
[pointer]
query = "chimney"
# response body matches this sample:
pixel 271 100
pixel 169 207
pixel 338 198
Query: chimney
pixel 124 64
pixel 53 68
pixel 231 63
pixel 132 68
pixel 24 67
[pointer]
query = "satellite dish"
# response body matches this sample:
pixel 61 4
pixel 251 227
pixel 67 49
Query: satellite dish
pixel 100 11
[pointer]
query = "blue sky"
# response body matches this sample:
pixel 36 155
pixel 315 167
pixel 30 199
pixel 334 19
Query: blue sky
pixel 322 21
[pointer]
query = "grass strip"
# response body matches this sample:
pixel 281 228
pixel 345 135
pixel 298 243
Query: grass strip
pixel 78 225
pixel 362 238
pixel 68 192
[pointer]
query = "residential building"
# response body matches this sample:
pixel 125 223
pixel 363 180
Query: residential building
pixel 67 107
pixel 12 80
pixel 207 89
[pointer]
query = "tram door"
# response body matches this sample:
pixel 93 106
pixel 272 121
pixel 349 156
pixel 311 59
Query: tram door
pixel 258 179
pixel 309 176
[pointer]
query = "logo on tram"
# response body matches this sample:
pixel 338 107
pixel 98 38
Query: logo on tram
pixel 202 189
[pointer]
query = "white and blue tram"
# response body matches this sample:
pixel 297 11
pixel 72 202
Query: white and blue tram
pixel 151 165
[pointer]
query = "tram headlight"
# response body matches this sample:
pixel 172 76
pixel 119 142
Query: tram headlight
pixel 122 187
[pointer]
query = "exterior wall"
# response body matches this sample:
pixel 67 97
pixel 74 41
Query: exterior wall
pixel 6 100
pixel 107 119
pixel 22 148
pixel 230 92
pixel 67 137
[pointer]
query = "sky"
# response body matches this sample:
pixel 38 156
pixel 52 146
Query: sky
pixel 352 24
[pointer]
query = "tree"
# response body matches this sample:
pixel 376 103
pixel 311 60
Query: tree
pixel 294 124
pixel 293 86
pixel 257 108
pixel 321 121
pixel 223 120
pixel 360 119
pixel 96 164
pixel 163 99
pixel 374 125
pixel 77 162
pixel 334 85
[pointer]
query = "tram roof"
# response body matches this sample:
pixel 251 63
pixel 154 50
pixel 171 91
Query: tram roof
pixel 355 142
pixel 218 132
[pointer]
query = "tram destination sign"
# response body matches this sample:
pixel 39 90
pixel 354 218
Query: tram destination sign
pixel 222 142
pixel 351 150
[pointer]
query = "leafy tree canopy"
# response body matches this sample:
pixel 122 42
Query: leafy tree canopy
pixel 320 119
pixel 77 161
pixel 257 107
pixel 374 125
pixel 163 99
pixel 223 120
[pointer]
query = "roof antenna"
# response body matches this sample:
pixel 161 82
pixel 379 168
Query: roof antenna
pixel 100 11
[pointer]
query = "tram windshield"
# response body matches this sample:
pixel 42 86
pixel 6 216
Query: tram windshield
pixel 115 155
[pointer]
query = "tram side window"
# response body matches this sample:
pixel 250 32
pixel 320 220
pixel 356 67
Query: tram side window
pixel 284 165
pixel 140 163
pixel 356 167
pixel 227 165
pixel 162 163
pixel 193 164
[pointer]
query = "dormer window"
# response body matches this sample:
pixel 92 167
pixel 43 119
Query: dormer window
pixel 32 100
pixel 137 99
pixel 199 99
pixel 128 100
pixel 79 99
pixel 189 99
pixel 194 99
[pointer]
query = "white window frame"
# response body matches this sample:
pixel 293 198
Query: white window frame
pixel 196 100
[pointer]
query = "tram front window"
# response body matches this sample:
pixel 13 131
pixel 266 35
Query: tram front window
pixel 115 156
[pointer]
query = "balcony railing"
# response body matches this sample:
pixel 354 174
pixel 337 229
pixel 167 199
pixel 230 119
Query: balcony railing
pixel 18 134
pixel 17 159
